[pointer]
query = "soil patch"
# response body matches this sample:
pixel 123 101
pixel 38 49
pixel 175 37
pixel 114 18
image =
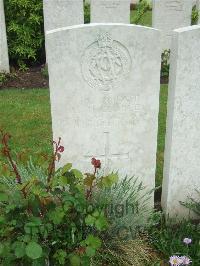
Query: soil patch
pixel 32 78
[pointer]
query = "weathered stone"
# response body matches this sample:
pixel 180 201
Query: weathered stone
pixel 168 15
pixel 4 60
pixel 104 84
pixel 62 13
pixel 182 151
pixel 110 11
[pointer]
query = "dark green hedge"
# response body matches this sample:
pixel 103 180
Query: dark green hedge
pixel 25 33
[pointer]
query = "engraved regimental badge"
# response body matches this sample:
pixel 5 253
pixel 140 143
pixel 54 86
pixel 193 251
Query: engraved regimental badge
pixel 105 63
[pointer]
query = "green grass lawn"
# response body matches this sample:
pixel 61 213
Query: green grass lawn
pixel 25 114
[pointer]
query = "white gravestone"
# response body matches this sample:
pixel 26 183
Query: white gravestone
pixel 168 15
pixel 4 60
pixel 182 152
pixel 110 11
pixel 104 87
pixel 62 13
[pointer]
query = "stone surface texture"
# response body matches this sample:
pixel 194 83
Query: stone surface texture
pixel 168 15
pixel 110 11
pixel 104 86
pixel 62 13
pixel 182 152
pixel 4 60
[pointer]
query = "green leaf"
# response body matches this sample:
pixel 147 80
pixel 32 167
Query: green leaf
pixel 90 220
pixel 75 260
pixel 88 181
pixel 66 168
pixel 19 249
pixel 64 181
pixel 33 250
pixel 110 180
pixel 90 251
pixel 93 242
pixel 57 215
pixel 3 196
pixel 77 173
pixel 101 223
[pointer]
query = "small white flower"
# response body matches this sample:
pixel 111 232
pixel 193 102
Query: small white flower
pixel 185 260
pixel 175 261
pixel 187 241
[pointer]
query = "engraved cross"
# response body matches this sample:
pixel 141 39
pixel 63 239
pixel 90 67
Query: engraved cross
pixel 108 156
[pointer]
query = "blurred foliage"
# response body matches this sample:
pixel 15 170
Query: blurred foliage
pixel 24 21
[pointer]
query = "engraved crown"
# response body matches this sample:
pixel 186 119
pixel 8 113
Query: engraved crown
pixel 105 40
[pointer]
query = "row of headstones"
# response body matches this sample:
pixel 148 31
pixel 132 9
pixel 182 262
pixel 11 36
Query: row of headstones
pixel 62 13
pixel 104 86
pixel 167 15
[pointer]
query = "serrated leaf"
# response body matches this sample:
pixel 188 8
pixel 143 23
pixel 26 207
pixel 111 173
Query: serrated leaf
pixel 33 250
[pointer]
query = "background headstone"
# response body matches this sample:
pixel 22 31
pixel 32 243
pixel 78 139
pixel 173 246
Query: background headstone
pixel 62 13
pixel 168 15
pixel 182 152
pixel 102 104
pixel 113 11
pixel 4 60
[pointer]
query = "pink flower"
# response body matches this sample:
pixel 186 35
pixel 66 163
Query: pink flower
pixel 175 261
pixel 187 241
pixel 185 260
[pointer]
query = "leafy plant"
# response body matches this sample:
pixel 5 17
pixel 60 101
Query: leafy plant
pixel 127 209
pixel 86 12
pixel 165 63
pixel 3 78
pixel 46 215
pixel 195 15
pixel 24 20
pixel 193 204
pixel 168 238
pixel 45 72
pixel 142 7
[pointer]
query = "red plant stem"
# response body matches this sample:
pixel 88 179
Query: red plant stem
pixel 52 163
pixel 89 191
pixel 7 153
